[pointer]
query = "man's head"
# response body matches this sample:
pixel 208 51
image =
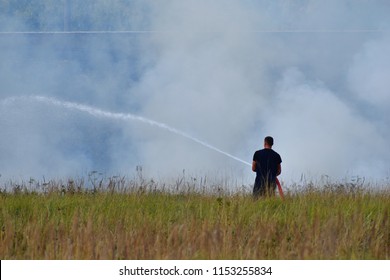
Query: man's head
pixel 268 142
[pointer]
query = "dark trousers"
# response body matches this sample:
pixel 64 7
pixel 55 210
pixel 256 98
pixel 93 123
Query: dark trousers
pixel 264 189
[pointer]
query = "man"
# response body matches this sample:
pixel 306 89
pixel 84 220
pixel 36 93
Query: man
pixel 266 164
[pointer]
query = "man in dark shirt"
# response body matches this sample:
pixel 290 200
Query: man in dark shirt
pixel 266 164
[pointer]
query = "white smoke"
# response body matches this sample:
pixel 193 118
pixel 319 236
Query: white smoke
pixel 318 85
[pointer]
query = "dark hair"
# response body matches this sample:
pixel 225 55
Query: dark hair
pixel 269 140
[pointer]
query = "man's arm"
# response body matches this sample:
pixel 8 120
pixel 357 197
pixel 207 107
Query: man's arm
pixel 279 170
pixel 254 166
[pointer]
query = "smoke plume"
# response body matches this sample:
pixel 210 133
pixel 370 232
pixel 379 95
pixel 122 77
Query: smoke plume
pixel 312 74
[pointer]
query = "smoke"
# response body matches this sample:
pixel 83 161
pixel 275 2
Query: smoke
pixel 318 85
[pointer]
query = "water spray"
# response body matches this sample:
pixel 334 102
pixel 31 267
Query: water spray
pixel 118 116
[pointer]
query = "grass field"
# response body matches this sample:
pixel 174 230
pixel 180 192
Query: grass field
pixel 134 222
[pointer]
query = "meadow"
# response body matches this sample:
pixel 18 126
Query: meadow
pixel 120 219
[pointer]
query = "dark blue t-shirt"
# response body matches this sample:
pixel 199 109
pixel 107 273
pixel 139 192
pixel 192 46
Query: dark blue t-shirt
pixel 267 161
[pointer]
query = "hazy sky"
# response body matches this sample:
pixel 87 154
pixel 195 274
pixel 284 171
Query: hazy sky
pixel 313 74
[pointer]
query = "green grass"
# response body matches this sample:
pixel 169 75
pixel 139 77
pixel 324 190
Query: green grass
pixel 134 224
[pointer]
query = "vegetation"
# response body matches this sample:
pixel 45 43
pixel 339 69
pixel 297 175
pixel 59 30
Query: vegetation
pixel 134 220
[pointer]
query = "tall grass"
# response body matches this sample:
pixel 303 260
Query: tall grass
pixel 149 223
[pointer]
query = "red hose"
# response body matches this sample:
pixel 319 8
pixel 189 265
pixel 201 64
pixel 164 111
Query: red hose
pixel 279 188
